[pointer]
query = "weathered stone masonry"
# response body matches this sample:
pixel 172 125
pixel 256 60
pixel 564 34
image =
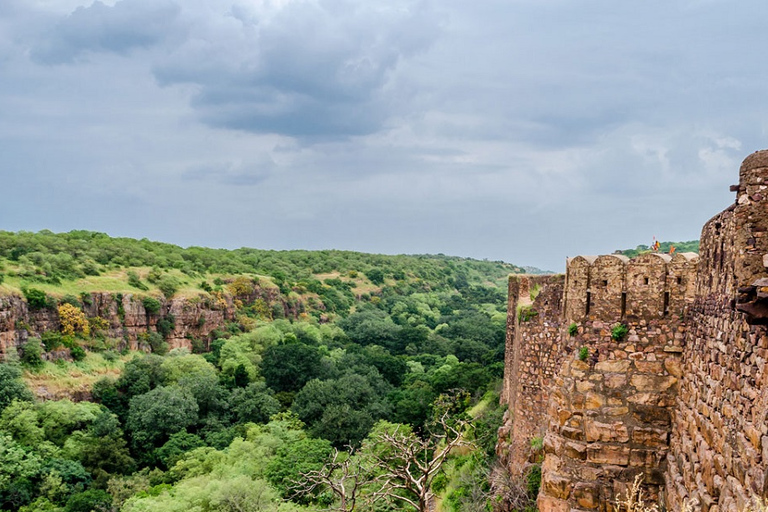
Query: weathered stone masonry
pixel 682 399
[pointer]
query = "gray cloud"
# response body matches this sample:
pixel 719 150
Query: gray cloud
pixel 519 130
pixel 305 69
pixel 120 28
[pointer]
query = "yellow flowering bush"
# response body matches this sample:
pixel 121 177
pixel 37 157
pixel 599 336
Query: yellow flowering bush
pixel 73 320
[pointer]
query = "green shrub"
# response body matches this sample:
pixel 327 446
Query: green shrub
pixel 151 305
pixel 166 325
pixel 527 313
pixel 36 299
pixel 31 353
pixel 157 343
pixel 583 353
pixel 573 329
pixel 154 275
pixel 72 300
pixel 375 275
pixel 77 352
pixel 619 332
pixel 86 299
pixel 110 356
pixel 533 478
pixel 206 287
pixel 169 285
pixel 133 280
pixel 2 278
pixel 51 340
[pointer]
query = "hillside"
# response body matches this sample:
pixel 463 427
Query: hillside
pixel 84 261
pixel 196 356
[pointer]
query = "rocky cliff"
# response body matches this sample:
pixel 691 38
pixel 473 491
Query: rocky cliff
pixel 124 317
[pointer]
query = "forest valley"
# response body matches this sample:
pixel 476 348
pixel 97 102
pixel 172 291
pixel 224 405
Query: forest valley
pixel 360 382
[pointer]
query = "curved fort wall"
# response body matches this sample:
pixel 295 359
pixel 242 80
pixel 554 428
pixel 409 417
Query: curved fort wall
pixel 681 399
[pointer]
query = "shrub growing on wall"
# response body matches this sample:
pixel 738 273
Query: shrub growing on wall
pixel 151 305
pixel 619 332
pixel 36 299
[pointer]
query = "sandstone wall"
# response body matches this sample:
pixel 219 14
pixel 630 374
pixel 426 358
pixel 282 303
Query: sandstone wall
pixel 720 438
pixel 535 352
pixel 683 400
pixel 609 415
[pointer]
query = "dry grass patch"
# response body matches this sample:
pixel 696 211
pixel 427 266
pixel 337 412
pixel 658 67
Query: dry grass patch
pixel 73 380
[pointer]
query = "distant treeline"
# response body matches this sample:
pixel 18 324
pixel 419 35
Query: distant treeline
pixel 59 256
pixel 664 247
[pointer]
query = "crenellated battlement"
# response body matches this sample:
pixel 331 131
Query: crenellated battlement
pixel 655 366
pixel 614 287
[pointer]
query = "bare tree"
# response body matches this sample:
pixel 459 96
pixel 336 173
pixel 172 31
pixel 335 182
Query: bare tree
pixel 343 475
pixel 406 465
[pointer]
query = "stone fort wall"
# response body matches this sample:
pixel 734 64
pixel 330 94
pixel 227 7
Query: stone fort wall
pixel 681 399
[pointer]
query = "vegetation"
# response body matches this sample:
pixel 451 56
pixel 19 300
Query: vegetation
pixel 583 353
pixel 619 332
pixel 336 363
pixel 573 329
pixel 527 313
pixel 664 247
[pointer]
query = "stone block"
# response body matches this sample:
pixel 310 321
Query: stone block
pixel 652 383
pixel 674 366
pixel 550 504
pixel 572 433
pixel 593 401
pixel 650 436
pixel 606 432
pixel 575 450
pixel 651 414
pixel 615 380
pixel 643 458
pixel 607 454
pixel 556 486
pixel 655 367
pixel 614 366
pixel 587 496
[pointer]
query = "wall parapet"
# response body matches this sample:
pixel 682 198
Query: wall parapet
pixel 682 399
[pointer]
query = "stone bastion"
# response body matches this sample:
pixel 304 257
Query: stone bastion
pixel 652 366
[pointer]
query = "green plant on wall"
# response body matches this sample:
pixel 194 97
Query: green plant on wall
pixel 619 332
pixel 583 353
pixel 573 329
pixel 527 313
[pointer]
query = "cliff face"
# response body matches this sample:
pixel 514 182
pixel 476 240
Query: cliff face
pixel 680 398
pixel 125 317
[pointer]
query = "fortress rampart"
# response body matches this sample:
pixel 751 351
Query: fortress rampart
pixel 651 366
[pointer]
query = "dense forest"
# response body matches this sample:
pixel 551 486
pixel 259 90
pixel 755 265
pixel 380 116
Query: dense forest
pixel 384 367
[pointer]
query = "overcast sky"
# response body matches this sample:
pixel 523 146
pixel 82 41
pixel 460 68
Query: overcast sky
pixel 523 131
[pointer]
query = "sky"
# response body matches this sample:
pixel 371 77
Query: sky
pixel 518 130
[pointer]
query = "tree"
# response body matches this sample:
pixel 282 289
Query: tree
pixel 254 403
pixel 288 367
pixel 342 410
pixel 406 465
pixel 155 415
pixel 295 458
pixel 344 476
pixel 11 386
